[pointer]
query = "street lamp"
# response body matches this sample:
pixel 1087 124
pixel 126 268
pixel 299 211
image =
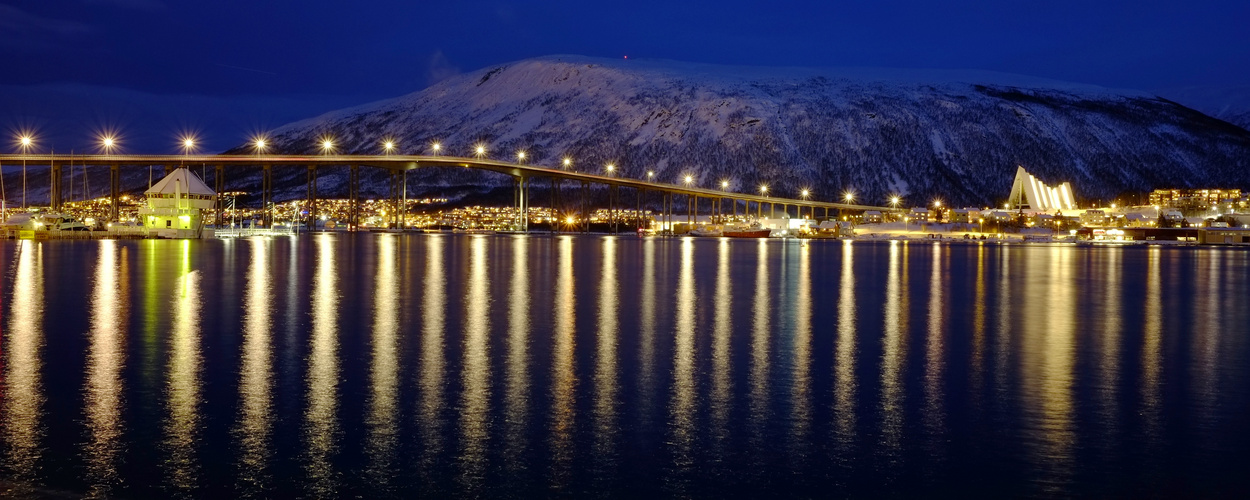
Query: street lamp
pixel 520 156
pixel 26 143
pixel 435 147
pixel 188 144
pixel 260 144
pixel 689 179
pixel 611 168
pixel 764 189
pixel 388 146
pixel 849 197
pixel 327 145
pixel 479 151
pixel 567 162
pixel 108 143
pixel 724 185
pixel 650 174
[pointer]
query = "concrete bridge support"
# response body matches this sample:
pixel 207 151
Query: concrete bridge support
pixel 266 196
pixel 353 195
pixel 219 181
pixel 311 221
pixel 55 193
pixel 114 191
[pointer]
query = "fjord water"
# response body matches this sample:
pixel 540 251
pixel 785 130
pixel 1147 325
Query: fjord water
pixel 512 366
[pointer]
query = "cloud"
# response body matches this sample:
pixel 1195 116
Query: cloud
pixel 16 23
pixel 439 68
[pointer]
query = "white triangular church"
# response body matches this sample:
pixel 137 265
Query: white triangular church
pixel 176 206
pixel 1029 193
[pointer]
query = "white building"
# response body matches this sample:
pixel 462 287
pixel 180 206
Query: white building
pixel 1029 193
pixel 176 205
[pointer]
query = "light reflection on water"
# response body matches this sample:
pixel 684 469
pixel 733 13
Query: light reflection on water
pixel 615 366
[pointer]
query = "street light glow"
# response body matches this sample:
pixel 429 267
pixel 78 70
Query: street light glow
pixel 327 144
pixel 763 188
pixel 724 184
pixel 804 193
pixel 436 146
pixel 480 150
pixel 895 200
pixel 567 162
pixel 520 155
pixel 650 174
pixel 937 203
pixel 689 178
pixel 26 140
pixel 388 145
pixel 611 167
pixel 849 197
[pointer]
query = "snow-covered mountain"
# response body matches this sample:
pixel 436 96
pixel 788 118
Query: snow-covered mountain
pixel 1228 103
pixel 919 133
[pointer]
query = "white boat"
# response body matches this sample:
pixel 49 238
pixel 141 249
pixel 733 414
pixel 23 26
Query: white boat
pixel 710 230
pixel 44 221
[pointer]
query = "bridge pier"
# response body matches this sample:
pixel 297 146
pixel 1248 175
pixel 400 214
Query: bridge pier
pixel 266 196
pixel 353 197
pixel 114 191
pixel 585 207
pixel 219 182
pixel 55 193
pixel 555 204
pixel 311 220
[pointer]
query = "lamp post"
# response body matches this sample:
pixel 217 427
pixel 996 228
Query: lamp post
pixel 26 143
pixel 479 151
pixel 804 194
pixel 388 147
pixel 520 157
pixel 566 162
pixel 435 148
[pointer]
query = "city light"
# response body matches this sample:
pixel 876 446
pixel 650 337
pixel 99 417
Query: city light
pixel 388 146
pixel 260 144
pixel 435 147
pixel 804 193
pixel 650 174
pixel 689 179
pixel 327 145
pixel 849 197
pixel 187 145
pixel 937 203
pixel 724 184
pixel 895 201
pixel 764 189
pixel 520 156
pixel 611 167
pixel 567 162
pixel 479 151
pixel 26 140
pixel 108 143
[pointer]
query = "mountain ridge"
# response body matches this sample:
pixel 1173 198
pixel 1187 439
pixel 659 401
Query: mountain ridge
pixel 922 134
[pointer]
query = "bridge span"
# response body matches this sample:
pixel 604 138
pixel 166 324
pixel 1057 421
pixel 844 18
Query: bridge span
pixel 523 175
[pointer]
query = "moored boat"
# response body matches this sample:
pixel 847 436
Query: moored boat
pixel 752 231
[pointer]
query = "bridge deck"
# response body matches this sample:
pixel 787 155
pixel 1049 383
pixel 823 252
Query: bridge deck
pixel 411 162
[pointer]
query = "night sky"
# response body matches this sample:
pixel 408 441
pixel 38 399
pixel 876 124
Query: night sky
pixel 151 69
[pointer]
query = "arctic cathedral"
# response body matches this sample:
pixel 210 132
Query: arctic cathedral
pixel 1028 193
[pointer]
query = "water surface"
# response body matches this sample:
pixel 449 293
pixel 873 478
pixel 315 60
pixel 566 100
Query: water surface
pixel 512 366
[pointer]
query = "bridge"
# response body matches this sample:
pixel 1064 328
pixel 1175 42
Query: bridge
pixel 523 175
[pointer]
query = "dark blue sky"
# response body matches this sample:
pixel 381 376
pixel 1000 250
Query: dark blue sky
pixel 234 64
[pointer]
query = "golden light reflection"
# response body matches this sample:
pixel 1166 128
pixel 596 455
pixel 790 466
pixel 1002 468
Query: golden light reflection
pixel 23 398
pixel 935 351
pixel 475 399
pixel 606 386
pixel 758 376
pixel 844 364
pixel 894 349
pixel 320 419
pixel 1109 341
pixel 683 403
pixel 646 346
pixel 722 332
pixel 801 390
pixel 977 371
pixel 1151 347
pixel 183 392
pixel 255 424
pixel 563 375
pixel 1048 353
pixel 105 357
pixel 383 431
pixel 1205 348
pixel 518 389
pixel 432 363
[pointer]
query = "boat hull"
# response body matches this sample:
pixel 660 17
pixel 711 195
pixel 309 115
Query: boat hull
pixel 755 233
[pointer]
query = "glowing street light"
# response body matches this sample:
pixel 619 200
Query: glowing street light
pixel 724 185
pixel 108 143
pixel 804 194
pixel 849 197
pixel 260 144
pixel 26 143
pixel 764 189
pixel 689 179
pixel 435 147
pixel 26 140
pixel 520 156
pixel 611 168
pixel 650 174
pixel 388 146
pixel 567 162
pixel 479 151
pixel 188 144
pixel 327 145
pixel 894 201
pixel 937 203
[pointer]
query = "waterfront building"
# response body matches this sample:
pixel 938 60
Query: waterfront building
pixel 1094 218
pixel 176 206
pixel 1195 199
pixel 1029 193
pixel 1224 236
pixel 872 217
pixel 918 214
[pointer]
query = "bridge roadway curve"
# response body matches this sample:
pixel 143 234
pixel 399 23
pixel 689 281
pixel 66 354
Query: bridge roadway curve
pixel 401 163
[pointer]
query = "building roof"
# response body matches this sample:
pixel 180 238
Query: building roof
pixel 190 184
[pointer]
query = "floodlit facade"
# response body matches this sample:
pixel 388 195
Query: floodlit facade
pixel 176 205
pixel 1194 199
pixel 1029 193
